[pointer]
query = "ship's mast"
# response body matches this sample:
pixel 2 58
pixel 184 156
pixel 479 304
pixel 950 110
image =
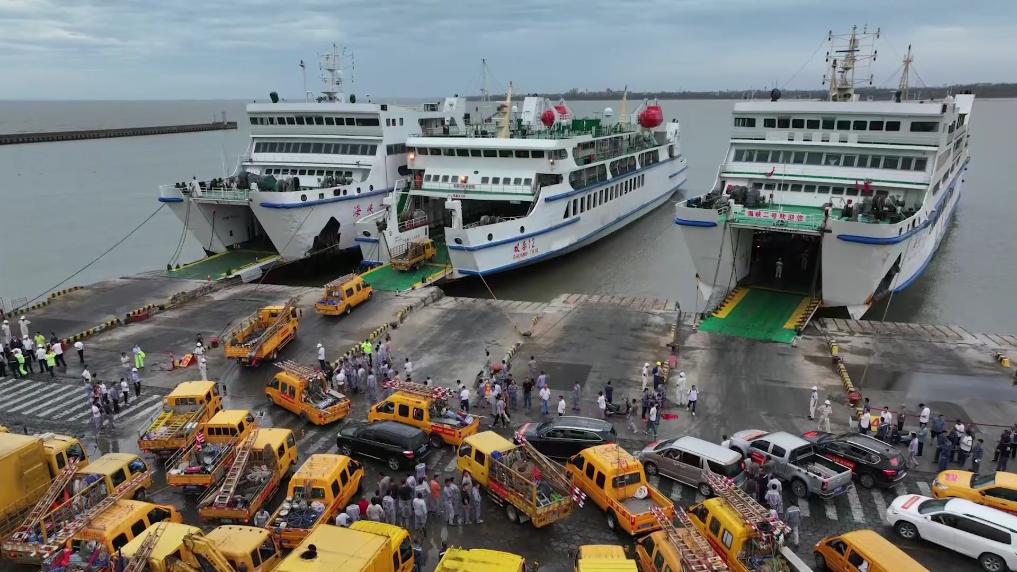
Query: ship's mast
pixel 330 64
pixel 623 111
pixel 848 53
pixel 506 117
pixel 483 80
pixel 902 89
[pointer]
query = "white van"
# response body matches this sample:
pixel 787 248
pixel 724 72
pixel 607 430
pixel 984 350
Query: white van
pixel 986 534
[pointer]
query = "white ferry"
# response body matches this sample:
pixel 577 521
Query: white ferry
pixel 310 171
pixel 844 200
pixel 540 184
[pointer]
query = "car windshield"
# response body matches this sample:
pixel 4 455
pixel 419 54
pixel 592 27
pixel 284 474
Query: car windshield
pixel 932 505
pixel 730 470
pixel 978 481
pixel 664 445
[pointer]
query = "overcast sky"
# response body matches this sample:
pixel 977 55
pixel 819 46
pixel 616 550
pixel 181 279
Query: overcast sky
pixel 157 49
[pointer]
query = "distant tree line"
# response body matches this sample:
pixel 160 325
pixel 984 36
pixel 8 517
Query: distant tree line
pixel 991 90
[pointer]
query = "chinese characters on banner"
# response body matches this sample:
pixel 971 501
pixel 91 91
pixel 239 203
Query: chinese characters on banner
pixel 523 248
pixel 775 215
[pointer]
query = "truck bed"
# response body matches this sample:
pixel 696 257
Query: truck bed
pixel 821 466
pixel 639 506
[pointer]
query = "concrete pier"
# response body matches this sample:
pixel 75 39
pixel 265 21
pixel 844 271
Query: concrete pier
pixel 51 136
pixel 575 338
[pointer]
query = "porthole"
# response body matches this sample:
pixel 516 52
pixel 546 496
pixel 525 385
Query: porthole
pixel 303 197
pixel 367 233
pixel 522 229
pixel 344 192
pixel 490 236
pixel 358 190
pixel 321 195
pixel 458 240
pixel 370 188
pixel 335 192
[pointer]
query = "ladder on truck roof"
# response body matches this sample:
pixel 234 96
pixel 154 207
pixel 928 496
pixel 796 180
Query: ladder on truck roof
pixel 298 370
pixel 753 513
pixel 551 471
pixel 76 524
pixel 222 497
pixel 696 553
pixel 42 507
pixel 435 392
pixel 139 561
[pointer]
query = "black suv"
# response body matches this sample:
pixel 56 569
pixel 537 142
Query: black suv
pixel 562 437
pixel 872 461
pixel 394 443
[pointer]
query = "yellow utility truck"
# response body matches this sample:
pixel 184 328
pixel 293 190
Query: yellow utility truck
pixel 202 463
pixel 263 334
pixel 343 294
pixel 304 390
pixel 189 404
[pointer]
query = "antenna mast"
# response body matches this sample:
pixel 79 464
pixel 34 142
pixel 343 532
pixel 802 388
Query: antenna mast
pixel 903 87
pixel 847 54
pixel 506 118
pixel 330 64
pixel 483 80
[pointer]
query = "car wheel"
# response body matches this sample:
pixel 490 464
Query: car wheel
pixel 612 520
pixel 705 490
pixel 436 440
pixel 511 513
pixel 992 563
pixel 820 562
pixel 650 469
pixel 799 488
pixel 345 450
pixel 867 480
pixel 906 530
pixel 393 463
pixel 349 309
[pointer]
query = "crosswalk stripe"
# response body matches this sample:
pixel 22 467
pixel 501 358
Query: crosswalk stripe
pixel 144 407
pixel 8 382
pixel 856 505
pixel 23 395
pixel 319 444
pixel 26 386
pixel 803 505
pixel 831 508
pixel 877 498
pixel 69 410
pixel 52 404
pixel 924 488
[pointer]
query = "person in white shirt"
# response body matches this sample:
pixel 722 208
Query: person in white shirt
pixel 199 349
pixel 693 398
pixel 813 402
pixel 959 427
pixel 40 356
pixel 24 323
pixel 646 374
pixel 923 417
pixel 6 331
pixel 58 349
pixel 545 396
pixel 125 390
pixel 342 519
pixel 561 405
pixel 602 404
pixel 203 367
pixel 408 367
pixel 966 441
pixel 680 387
pixel 86 375
pixel 464 399
pixel 651 421
pixel 79 346
pixel 321 357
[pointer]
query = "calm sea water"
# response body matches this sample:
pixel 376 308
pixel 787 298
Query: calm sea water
pixel 66 203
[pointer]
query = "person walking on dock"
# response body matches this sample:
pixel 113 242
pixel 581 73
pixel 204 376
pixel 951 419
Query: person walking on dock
pixel 561 405
pixel 609 392
pixel 528 393
pixel 125 363
pixel 372 387
pixel 602 404
pixel 5 328
pixel 513 392
pixel 136 380
pixel 40 356
pixel 923 417
pixel 388 506
pixel 681 385
pixel 477 503
pixel 545 396
pixel 651 420
pixel 24 323
pixel 419 514
pixel 464 399
pixel 779 269
pixel 577 396
pixel 966 442
pixel 125 391
pixel 945 452
pixel 449 495
pixel 646 375
pixel 825 411
pixel 913 451
pixel 693 398
pixel 813 402
pixel 977 452
pixel 27 348
pixel 321 357
pixel 531 368
pixel 405 493
pixel 203 367
pixel 79 346
pixel 139 357
pixel 499 413
pixel 51 362
pixel 58 350
pixel 96 417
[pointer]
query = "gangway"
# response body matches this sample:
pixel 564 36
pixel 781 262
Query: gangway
pixel 696 553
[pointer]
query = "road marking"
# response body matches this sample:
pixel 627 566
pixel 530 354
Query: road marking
pixel 856 505
pixel 831 508
pixel 9 382
pixel 29 386
pixel 877 497
pixel 71 409
pixel 803 505
pixel 53 404
pixel 140 408
pixel 924 488
pixel 451 466
pixel 22 396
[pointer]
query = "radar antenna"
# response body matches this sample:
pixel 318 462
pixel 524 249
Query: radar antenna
pixel 848 53
pixel 902 89
pixel 330 64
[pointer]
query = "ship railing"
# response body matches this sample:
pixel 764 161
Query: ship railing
pixel 491 220
pixel 558 131
pixel 475 187
pixel 210 193
pixel 414 222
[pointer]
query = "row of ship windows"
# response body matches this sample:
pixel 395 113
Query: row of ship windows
pixel 517 181
pixel 803 188
pixel 831 159
pixel 315 148
pixel 593 200
pixel 391 121
pixel 517 153
pixel 834 124
pixel 316 120
pixel 395 148
pixel 309 172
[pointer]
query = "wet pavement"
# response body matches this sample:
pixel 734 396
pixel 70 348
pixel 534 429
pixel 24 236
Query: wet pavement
pixel 586 339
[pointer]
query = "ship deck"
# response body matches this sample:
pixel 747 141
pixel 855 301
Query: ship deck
pixel 759 314
pixel 220 265
pixel 389 279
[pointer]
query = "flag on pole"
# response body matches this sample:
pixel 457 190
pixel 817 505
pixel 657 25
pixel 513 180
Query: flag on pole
pixel 301 64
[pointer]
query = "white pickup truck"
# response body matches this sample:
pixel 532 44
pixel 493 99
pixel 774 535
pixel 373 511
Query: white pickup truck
pixel 795 461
